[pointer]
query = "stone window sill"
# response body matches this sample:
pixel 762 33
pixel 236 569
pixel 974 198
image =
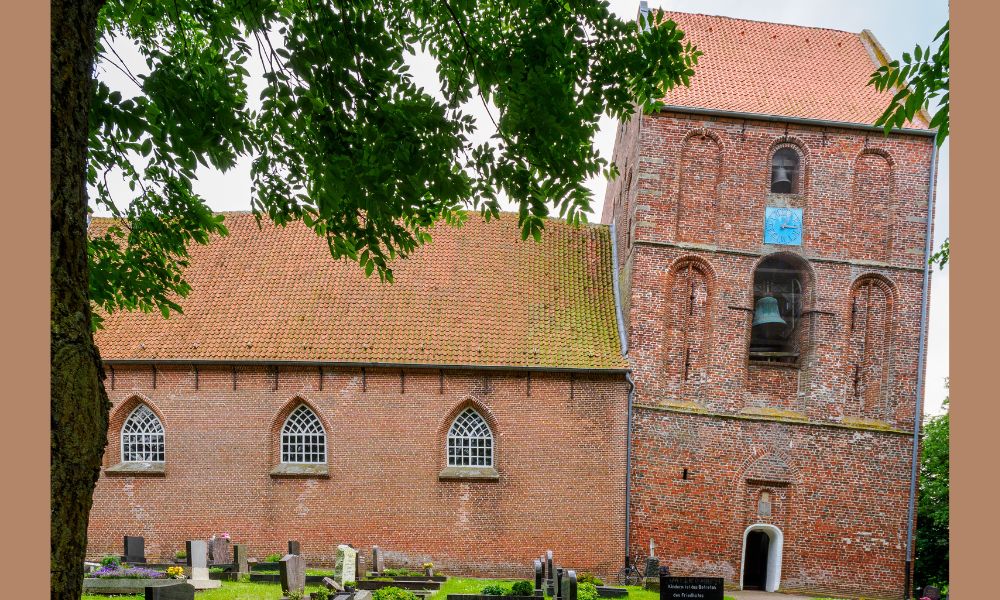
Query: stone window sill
pixel 301 470
pixel 469 473
pixel 768 364
pixel 138 469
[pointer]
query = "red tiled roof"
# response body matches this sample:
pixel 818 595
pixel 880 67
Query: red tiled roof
pixel 784 70
pixel 476 295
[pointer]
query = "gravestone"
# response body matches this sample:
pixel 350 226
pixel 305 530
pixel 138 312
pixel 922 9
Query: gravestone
pixel 135 549
pixel 343 569
pixel 178 591
pixel 652 567
pixel 293 547
pixel 559 578
pixel 378 561
pixel 931 592
pixel 241 561
pixel 292 572
pixel 332 585
pixel 567 589
pixel 651 575
pixel 358 569
pixel 541 559
pixel 197 561
pixel 538 575
pixel 550 575
pixel 691 588
pixel 219 551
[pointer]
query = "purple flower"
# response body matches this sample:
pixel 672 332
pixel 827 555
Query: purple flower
pixel 118 572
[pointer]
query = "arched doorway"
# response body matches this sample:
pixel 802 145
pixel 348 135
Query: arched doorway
pixel 761 564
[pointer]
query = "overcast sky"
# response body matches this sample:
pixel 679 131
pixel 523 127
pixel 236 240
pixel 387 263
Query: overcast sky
pixel 897 24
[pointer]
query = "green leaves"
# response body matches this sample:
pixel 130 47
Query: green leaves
pixel 920 78
pixel 345 140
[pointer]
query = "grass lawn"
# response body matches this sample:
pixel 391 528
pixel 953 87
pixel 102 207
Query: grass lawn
pixel 272 591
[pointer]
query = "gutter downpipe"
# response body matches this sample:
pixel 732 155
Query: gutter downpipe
pixel 623 340
pixel 921 357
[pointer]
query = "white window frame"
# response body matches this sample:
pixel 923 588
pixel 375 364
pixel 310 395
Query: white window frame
pixel 302 408
pixel 152 418
pixel 486 441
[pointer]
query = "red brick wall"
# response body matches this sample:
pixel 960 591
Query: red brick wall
pixel 702 184
pixel 560 453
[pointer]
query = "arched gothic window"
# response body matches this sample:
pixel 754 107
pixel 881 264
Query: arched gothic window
pixel 470 441
pixel 303 439
pixel 142 436
pixel 785 172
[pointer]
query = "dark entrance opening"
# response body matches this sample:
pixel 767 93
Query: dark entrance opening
pixel 755 561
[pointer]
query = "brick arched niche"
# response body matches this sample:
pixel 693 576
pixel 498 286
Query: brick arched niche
pixel 116 420
pixel 688 327
pixel 782 286
pixel 468 473
pixel 701 162
pixel 281 469
pixel 800 178
pixel 871 205
pixel 870 327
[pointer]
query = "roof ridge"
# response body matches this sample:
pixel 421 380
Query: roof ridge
pixel 813 27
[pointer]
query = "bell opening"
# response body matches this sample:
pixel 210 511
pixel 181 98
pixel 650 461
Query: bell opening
pixel 778 295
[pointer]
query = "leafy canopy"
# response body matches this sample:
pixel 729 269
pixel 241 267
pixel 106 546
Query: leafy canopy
pixel 922 77
pixel 932 504
pixel 345 141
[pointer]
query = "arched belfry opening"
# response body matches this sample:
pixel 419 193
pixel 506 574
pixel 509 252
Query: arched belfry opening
pixel 761 565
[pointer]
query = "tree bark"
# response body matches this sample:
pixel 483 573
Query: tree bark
pixel 79 403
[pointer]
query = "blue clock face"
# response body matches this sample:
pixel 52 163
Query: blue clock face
pixel 783 226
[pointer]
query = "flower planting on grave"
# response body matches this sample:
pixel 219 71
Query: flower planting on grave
pixel 175 572
pixel 125 572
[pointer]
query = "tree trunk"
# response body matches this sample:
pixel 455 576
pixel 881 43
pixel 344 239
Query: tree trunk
pixel 79 402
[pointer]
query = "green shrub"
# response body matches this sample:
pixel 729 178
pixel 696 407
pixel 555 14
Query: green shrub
pixel 273 557
pixel 393 593
pixel 380 579
pixel 180 554
pixel 110 561
pixel 586 591
pixel 350 584
pixel 216 570
pixel 494 589
pixel 587 577
pixel 320 594
pixel 522 588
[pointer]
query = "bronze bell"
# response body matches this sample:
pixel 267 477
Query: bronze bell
pixel 767 312
pixel 781 175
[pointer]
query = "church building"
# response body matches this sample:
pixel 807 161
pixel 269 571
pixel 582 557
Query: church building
pixel 727 364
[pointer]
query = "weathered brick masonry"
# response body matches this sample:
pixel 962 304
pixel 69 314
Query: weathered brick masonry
pixel 559 453
pixel 689 213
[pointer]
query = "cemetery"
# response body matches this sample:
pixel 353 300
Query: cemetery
pixel 219 569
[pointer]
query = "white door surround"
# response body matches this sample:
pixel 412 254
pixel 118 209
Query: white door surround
pixel 776 540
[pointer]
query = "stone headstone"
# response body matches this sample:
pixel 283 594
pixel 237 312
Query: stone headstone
pixel 931 592
pixel 197 558
pixel 691 588
pixel 135 549
pixel 538 574
pixel 652 567
pixel 293 547
pixel 241 560
pixel 292 572
pixel 378 561
pixel 559 577
pixel 178 591
pixel 358 569
pixel 220 551
pixel 541 559
pixel 332 585
pixel 343 569
pixel 652 547
pixel 550 575
pixel 567 588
